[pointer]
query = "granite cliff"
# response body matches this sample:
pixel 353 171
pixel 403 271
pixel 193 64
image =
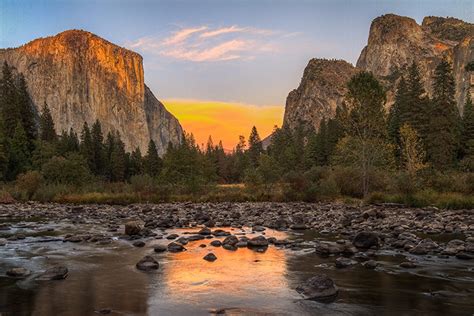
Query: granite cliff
pixel 83 77
pixel 394 43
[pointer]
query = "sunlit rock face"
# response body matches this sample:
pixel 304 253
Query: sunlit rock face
pixel 320 92
pixel 394 43
pixel 83 77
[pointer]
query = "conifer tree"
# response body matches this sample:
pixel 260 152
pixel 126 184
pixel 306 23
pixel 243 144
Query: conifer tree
pixel 467 140
pixel 8 101
pixel 4 152
pixel 27 114
pixel 47 131
pixel 136 162
pixel 118 160
pixel 255 147
pixel 152 161
pixel 19 152
pixel 97 148
pixel 444 132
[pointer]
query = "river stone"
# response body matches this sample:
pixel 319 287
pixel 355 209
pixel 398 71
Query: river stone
pixel 464 256
pixel 205 231
pixel 175 247
pixel 216 243
pixel 408 265
pixel 18 272
pixel 172 236
pixel 370 264
pixel 366 240
pixel 3 242
pixel 258 241
pixel 147 263
pixel 318 287
pixel 159 248
pixel 195 237
pixel 342 262
pixel 230 240
pixel 54 273
pixel 133 228
pixel 139 243
pixel 210 257
pixel 229 247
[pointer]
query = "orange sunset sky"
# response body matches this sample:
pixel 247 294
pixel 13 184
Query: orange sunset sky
pixel 223 120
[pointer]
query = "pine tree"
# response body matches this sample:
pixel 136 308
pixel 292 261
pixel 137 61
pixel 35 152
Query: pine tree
pixel 467 140
pixel 19 152
pixel 8 101
pixel 47 131
pixel 118 161
pixel 97 148
pixel 444 132
pixel 86 146
pixel 152 161
pixel 255 147
pixel 136 162
pixel 27 114
pixel 4 151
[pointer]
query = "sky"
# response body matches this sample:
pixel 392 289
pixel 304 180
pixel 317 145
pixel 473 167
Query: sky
pixel 211 61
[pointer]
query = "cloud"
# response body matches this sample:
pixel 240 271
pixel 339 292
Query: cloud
pixel 206 44
pixel 224 120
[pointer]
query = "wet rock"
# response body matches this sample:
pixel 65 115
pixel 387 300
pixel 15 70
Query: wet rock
pixel 139 243
pixel 175 247
pixel 210 257
pixel 241 244
pixel 229 247
pixel 465 256
pixel 370 264
pixel 195 237
pixel 318 287
pixel 205 231
pixel 172 236
pixel 220 233
pixel 408 265
pixel 424 247
pixel 182 240
pixel 104 311
pixel 147 263
pixel 3 242
pixel 366 240
pixel 18 272
pixel 258 228
pixel 342 262
pixel 230 240
pixel 54 273
pixel 160 248
pixel 453 247
pixel 133 228
pixel 258 241
pixel 216 243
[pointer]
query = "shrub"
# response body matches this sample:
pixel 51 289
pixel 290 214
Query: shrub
pixel 349 181
pixel 70 170
pixel 143 183
pixel 28 183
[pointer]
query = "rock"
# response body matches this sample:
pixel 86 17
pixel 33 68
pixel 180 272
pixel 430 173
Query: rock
pixel 210 257
pixel 104 311
pixel 366 240
pixel 258 241
pixel 342 262
pixel 370 264
pixel 3 242
pixel 160 248
pixel 139 243
pixel 205 231
pixel 18 272
pixel 133 228
pixel 408 265
pixel 147 263
pixel 86 83
pixel 195 237
pixel 465 256
pixel 230 240
pixel 172 236
pixel 318 287
pixel 258 228
pixel 220 233
pixel 424 247
pixel 54 273
pixel 229 247
pixel 175 247
pixel 216 243
pixel 241 244
pixel 182 240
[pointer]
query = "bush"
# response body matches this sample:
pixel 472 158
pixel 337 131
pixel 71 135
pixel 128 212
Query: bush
pixel 70 170
pixel 143 183
pixel 28 183
pixel 349 181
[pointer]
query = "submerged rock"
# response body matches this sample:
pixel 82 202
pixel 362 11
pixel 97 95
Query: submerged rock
pixel 55 273
pixel 366 240
pixel 159 248
pixel 147 263
pixel 18 272
pixel 175 247
pixel 318 287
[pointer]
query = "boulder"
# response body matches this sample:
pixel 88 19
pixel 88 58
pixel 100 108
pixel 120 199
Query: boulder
pixel 318 287
pixel 133 228
pixel 54 273
pixel 366 240
pixel 18 272
pixel 210 257
pixel 258 241
pixel 175 247
pixel 159 248
pixel 147 263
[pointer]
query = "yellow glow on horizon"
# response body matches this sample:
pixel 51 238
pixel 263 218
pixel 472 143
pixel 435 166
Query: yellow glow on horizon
pixel 224 120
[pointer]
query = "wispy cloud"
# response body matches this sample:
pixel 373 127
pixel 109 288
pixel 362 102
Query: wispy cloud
pixel 207 44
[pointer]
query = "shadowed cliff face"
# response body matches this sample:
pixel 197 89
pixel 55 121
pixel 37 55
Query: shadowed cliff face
pixel 82 77
pixel 394 43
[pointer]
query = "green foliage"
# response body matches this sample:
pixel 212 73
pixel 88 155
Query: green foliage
pixel 152 162
pixel 66 170
pixel 29 183
pixel 444 131
pixel 255 147
pixel 46 125
pixel 19 153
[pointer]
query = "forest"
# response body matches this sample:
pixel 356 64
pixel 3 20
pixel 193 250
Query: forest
pixel 420 152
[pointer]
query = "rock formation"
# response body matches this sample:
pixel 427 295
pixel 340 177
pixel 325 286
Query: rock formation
pixel 83 77
pixel 394 43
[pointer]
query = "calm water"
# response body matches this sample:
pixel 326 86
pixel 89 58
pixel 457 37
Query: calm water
pixel 242 282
